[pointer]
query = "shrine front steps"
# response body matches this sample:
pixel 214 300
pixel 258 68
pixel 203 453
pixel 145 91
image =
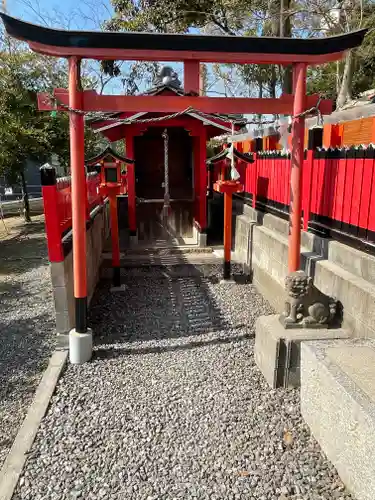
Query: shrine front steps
pixel 174 257
pixel 338 404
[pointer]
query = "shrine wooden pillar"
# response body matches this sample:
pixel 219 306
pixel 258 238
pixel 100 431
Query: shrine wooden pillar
pixel 200 185
pixel 132 213
pixel 297 157
pixel 80 338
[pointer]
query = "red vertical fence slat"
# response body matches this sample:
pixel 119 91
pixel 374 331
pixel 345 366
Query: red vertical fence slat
pixel 357 187
pixel 367 184
pixel 348 190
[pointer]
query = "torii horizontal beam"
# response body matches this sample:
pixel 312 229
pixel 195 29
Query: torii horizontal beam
pixel 174 104
pixel 181 47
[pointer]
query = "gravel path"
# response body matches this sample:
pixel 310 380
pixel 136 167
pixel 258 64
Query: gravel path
pixel 173 407
pixel 26 322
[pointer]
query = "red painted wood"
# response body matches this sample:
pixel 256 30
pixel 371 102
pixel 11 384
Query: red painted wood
pixel 52 222
pixel 203 180
pixel 371 214
pixel 348 191
pixel 173 104
pixel 174 55
pixel 357 191
pixel 326 187
pixel 114 229
pixel 132 214
pixel 298 131
pixel 367 181
pixel 307 187
pixel 77 162
pixel 340 190
pixel 191 76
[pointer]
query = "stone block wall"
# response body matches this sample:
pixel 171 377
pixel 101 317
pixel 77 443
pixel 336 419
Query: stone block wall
pixel 261 244
pixel 62 272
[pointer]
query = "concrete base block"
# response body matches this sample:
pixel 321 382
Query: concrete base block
pixel 116 289
pixel 133 239
pixel 278 351
pixel 199 238
pixel 80 347
pixel 62 341
pixel 338 404
pixel 227 282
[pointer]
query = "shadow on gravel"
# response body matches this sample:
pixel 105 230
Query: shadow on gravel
pixel 113 352
pixel 160 302
pixel 23 354
pixel 26 250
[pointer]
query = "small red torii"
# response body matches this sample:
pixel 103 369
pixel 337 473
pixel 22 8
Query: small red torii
pixel 112 183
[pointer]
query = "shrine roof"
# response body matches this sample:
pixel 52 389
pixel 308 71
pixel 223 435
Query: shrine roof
pixel 221 122
pixel 247 157
pixel 66 43
pixel 108 152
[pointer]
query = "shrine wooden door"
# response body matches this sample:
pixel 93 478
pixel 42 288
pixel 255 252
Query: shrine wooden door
pixel 150 186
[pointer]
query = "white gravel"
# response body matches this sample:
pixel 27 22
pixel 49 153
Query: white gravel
pixel 173 407
pixel 27 327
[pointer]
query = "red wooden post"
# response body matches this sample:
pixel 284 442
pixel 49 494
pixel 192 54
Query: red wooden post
pixel 315 140
pixel 202 180
pixel 228 188
pixel 227 234
pixel 132 214
pixel 191 77
pixel 298 127
pixel 78 196
pixel 115 238
pixel 51 214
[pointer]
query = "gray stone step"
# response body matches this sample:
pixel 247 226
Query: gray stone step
pixel 356 295
pixel 356 262
pixel 338 404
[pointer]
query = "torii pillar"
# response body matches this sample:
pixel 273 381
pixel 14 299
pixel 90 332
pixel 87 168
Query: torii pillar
pixel 297 157
pixel 80 338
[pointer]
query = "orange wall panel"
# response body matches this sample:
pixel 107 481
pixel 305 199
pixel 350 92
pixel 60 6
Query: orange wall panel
pixel 356 132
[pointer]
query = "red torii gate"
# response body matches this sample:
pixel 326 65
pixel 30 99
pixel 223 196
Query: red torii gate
pixel 191 50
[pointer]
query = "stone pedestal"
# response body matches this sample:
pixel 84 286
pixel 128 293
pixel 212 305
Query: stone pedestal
pixel 80 347
pixel 277 350
pixel 338 404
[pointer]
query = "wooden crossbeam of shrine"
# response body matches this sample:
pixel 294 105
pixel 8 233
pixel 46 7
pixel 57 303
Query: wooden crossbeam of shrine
pixel 173 104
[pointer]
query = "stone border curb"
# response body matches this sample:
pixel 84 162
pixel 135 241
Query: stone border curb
pixel 13 465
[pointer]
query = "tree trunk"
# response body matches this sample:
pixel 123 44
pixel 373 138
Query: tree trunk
pixel 260 95
pixel 286 32
pixel 25 197
pixel 345 92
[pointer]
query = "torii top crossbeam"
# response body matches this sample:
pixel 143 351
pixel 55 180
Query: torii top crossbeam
pixel 171 47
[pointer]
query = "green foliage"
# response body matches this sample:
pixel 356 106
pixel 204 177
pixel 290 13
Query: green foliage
pixel 26 133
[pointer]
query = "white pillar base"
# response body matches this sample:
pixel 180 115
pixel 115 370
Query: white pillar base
pixel 116 289
pixel 80 347
pixel 227 282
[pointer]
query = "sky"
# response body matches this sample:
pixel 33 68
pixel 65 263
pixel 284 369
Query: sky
pixel 71 14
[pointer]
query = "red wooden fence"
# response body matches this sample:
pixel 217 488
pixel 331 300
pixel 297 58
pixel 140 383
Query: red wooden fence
pixel 338 187
pixel 58 207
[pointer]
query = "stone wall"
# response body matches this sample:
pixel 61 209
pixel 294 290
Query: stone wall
pixel 261 244
pixel 62 272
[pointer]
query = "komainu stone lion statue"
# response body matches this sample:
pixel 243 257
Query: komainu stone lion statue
pixel 306 306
